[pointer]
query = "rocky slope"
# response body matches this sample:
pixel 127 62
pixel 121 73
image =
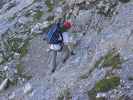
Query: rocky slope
pixel 101 68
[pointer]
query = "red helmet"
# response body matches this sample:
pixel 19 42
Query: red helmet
pixel 67 24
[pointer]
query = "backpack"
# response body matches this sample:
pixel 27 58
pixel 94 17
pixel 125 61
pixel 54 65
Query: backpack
pixel 54 34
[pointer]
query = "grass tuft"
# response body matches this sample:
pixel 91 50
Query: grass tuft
pixel 130 78
pixel 124 1
pixel 111 59
pixel 38 15
pixel 49 5
pixel 104 86
pixel 66 95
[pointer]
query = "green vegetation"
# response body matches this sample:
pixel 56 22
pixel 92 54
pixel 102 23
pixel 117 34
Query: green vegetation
pixel 21 73
pixel 49 5
pixel 104 86
pixel 2 75
pixel 19 68
pixel 34 34
pixel 14 45
pixel 84 76
pixel 38 15
pixel 11 18
pixel 107 84
pixel 5 58
pixel 130 78
pixel 62 1
pixel 50 18
pixel 1 59
pixel 27 13
pixel 124 1
pixel 111 59
pixel 34 1
pixel 24 49
pixel 65 95
pixel 18 45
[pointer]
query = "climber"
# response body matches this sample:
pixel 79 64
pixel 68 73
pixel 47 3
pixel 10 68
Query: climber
pixel 58 40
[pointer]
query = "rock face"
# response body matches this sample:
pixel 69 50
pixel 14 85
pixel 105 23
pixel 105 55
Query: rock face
pixel 101 67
